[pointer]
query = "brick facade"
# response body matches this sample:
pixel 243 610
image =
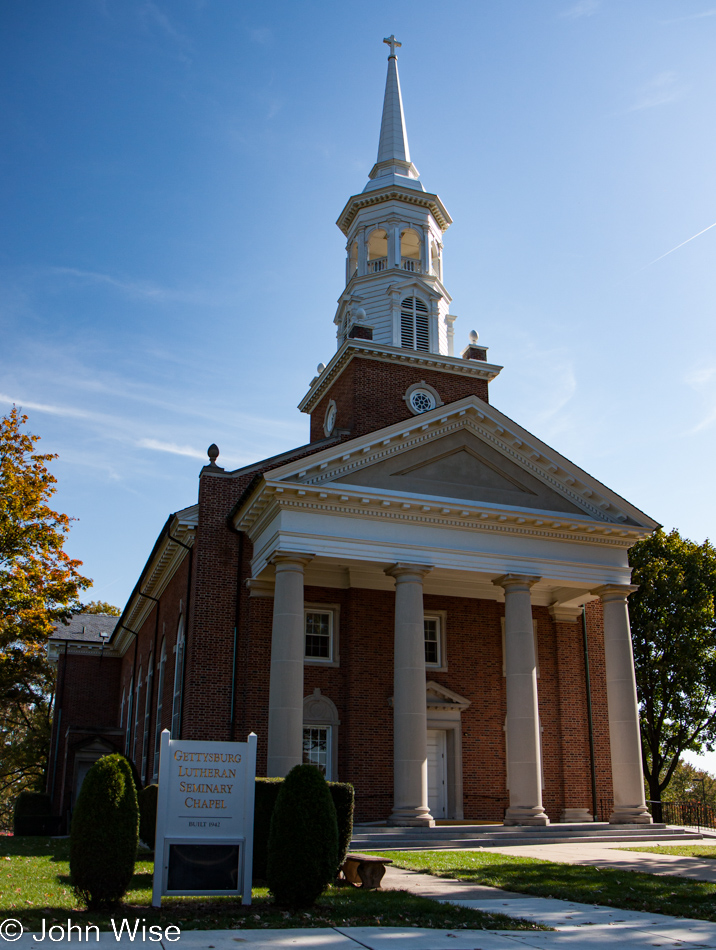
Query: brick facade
pixel 369 395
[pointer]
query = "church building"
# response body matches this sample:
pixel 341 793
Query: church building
pixel 424 600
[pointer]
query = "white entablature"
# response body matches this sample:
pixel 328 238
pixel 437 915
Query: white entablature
pixel 394 266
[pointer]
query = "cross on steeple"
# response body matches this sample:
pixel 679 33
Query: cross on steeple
pixel 392 43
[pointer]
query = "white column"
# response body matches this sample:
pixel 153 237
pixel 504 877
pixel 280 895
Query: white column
pixel 624 735
pixel 362 252
pixel 285 725
pixel 410 743
pixel 523 739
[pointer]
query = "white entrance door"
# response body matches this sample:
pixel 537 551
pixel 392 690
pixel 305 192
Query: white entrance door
pixel 437 773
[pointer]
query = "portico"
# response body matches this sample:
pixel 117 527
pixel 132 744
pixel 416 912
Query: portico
pixel 313 524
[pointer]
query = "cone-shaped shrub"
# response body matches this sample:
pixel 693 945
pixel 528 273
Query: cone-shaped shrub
pixel 104 833
pixel 303 840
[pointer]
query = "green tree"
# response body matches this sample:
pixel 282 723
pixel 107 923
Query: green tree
pixel 690 784
pixel 39 587
pixel 100 607
pixel 674 636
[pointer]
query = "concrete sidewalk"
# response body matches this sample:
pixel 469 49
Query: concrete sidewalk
pixel 611 855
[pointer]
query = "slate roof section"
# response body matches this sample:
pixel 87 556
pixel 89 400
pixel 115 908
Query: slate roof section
pixel 86 628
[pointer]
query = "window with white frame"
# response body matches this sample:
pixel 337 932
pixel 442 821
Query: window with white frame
pixel 317 748
pixel 414 324
pixel 128 728
pixel 319 643
pixel 135 725
pixel 178 681
pixel 160 697
pixel 434 627
pixel 147 717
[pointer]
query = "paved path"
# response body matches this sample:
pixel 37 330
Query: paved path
pixel 579 926
pixel 609 855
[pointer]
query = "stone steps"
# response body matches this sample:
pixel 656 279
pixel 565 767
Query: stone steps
pixel 447 837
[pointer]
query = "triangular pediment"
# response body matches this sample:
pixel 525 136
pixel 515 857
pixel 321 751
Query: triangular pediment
pixel 463 467
pixel 437 696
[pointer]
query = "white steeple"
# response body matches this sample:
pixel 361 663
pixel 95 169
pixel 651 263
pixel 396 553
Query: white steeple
pixel 393 151
pixel 394 291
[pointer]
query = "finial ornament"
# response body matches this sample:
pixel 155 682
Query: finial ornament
pixel 213 453
pixel 473 336
pixel 392 43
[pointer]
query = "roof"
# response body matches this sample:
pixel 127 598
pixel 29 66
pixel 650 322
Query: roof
pixel 87 628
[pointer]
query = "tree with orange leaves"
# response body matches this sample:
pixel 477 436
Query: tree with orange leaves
pixel 39 587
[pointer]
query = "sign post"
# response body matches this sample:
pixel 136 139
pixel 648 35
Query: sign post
pixel 205 818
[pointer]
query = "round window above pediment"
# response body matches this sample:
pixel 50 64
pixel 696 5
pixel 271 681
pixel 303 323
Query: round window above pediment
pixel 329 421
pixel 422 397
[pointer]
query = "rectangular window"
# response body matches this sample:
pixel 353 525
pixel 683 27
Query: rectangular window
pixel 432 641
pixel 316 748
pixel 434 627
pixel 319 635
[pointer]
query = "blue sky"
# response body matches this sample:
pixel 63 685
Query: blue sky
pixel 169 265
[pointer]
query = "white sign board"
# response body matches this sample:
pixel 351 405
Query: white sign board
pixel 205 818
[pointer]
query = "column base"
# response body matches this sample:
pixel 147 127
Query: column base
pixel 523 815
pixel 412 818
pixel 630 815
pixel 577 815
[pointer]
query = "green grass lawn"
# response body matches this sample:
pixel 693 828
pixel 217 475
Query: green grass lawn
pixel 683 850
pixel 34 885
pixel 630 890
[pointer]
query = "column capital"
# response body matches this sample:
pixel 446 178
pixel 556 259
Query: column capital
pixel 612 592
pixel 562 614
pixel 516 581
pixel 402 569
pixel 287 560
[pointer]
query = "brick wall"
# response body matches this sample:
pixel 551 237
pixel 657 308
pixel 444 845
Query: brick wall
pixel 369 395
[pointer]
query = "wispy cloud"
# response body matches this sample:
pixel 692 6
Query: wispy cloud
pixel 153 15
pixel 171 447
pixel 581 9
pixel 68 412
pixel 691 16
pixel 702 379
pixel 659 91
pixel 142 289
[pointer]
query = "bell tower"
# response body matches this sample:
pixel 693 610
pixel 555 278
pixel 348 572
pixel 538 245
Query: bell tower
pixel 394 292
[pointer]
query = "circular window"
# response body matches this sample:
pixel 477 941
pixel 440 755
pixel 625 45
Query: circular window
pixel 421 400
pixel 330 419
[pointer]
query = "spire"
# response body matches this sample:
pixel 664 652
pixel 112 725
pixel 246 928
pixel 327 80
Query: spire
pixel 393 152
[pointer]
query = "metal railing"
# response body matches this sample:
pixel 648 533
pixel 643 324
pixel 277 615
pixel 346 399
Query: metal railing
pixel 694 814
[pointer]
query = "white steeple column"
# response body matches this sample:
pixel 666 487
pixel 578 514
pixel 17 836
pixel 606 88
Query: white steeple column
pixel 624 735
pixel 410 746
pixel 285 724
pixel 523 739
pixel 393 245
pixel 362 252
pixel 425 263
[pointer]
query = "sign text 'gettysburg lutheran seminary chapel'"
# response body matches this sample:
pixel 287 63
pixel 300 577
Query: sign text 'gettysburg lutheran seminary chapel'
pixel 205 818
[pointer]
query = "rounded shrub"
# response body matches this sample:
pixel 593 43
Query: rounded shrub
pixel 32 814
pixel 147 800
pixel 104 833
pixel 303 839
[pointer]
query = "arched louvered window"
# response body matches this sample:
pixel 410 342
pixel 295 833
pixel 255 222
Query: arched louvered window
pixel 414 324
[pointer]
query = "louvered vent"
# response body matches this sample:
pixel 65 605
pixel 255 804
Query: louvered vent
pixel 414 324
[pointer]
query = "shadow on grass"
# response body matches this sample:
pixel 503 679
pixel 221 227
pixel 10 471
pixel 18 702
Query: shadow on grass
pixel 614 887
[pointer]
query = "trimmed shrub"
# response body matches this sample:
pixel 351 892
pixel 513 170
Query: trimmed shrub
pixel 344 797
pixel 303 840
pixel 266 793
pixel 32 814
pixel 147 801
pixel 104 833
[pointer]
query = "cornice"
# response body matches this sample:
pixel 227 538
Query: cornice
pixel 429 511
pixel 56 649
pixel 423 199
pixel 391 354
pixel 158 572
